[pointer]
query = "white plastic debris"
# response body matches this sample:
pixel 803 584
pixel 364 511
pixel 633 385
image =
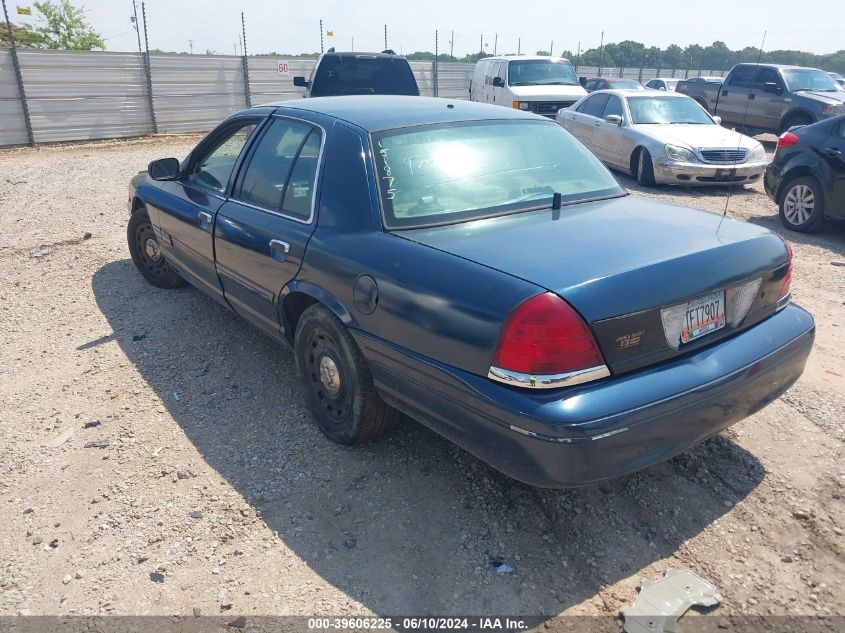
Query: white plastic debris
pixel 662 603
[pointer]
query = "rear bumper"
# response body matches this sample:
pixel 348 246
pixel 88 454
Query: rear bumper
pixel 670 172
pixel 601 430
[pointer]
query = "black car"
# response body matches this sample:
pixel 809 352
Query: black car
pixel 807 174
pixel 360 74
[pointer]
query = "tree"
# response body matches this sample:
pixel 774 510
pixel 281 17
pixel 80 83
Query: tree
pixel 24 36
pixel 64 27
pixel 543 54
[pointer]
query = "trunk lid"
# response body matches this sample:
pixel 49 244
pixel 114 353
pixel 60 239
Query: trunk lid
pixel 618 262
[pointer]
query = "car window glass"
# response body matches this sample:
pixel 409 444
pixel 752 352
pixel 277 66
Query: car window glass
pixel 842 130
pixel 614 106
pixel 767 75
pixel 212 169
pixel 499 70
pixel 595 105
pixel 488 73
pixel 267 173
pixel 352 74
pixel 299 193
pixel 743 77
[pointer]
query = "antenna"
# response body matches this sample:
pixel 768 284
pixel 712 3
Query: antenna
pixel 742 127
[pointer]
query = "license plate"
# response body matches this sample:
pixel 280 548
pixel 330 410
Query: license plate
pixel 725 174
pixel 703 315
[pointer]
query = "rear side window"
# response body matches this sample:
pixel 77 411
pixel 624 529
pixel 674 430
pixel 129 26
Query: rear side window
pixel 282 171
pixel 743 77
pixel 594 105
pixel 361 75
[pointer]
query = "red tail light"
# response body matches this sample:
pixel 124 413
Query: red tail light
pixel 787 280
pixel 545 336
pixel 677 87
pixel 787 139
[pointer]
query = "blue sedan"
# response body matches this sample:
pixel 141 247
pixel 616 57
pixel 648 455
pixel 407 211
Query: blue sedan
pixel 479 270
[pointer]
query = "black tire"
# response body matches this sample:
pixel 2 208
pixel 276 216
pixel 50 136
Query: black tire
pixel 338 385
pixel 796 119
pixel 801 205
pixel 145 251
pixel 644 168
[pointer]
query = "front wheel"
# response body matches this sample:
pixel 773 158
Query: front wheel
pixel 338 385
pixel 802 205
pixel 146 252
pixel 645 168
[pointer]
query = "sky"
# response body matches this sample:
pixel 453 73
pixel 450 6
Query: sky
pixel 276 25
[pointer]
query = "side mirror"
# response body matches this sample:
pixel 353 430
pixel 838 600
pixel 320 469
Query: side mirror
pixel 498 82
pixel 717 120
pixel 582 81
pixel 615 119
pixel 300 82
pixel 772 88
pixel 164 169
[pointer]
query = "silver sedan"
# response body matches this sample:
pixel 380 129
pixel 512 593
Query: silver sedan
pixel 664 138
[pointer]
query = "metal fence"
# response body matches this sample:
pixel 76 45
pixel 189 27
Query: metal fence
pixel 81 95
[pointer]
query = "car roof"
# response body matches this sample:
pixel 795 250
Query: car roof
pixel 778 66
pixel 635 92
pixel 385 112
pixel 363 55
pixel 510 58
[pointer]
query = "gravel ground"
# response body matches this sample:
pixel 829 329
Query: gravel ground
pixel 158 457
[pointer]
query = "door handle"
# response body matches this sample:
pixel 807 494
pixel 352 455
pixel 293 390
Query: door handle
pixel 724 93
pixel 832 151
pixel 204 219
pixel 279 250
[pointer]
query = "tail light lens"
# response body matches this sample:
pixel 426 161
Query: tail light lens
pixel 545 336
pixel 787 280
pixel 787 139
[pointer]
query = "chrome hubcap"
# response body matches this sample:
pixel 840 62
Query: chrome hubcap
pixel 329 375
pixel 799 204
pixel 151 249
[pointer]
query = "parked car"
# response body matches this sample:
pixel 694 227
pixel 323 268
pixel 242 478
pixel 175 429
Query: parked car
pixel 542 85
pixel 663 138
pixel 806 177
pixel 359 74
pixel 662 84
pixel 605 83
pixel 838 79
pixel 769 97
pixel 476 268
pixel 711 79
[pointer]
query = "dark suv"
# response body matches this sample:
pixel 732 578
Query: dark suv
pixel 360 74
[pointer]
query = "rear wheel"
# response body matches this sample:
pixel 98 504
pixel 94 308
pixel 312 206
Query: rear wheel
pixel 338 385
pixel 146 252
pixel 802 205
pixel 645 168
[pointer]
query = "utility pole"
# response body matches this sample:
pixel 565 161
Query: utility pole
pixel 436 53
pixel 452 46
pixel 18 77
pixel 191 45
pixel 353 43
pixel 552 49
pixel 518 45
pixel 321 38
pixel 481 49
pixel 246 63
pixel 495 44
pixel 601 53
pixel 148 72
pixel 385 37
pixel 137 28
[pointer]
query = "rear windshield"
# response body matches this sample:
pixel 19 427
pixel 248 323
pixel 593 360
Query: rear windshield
pixel 539 72
pixel 363 75
pixel 646 110
pixel 446 173
pixel 626 84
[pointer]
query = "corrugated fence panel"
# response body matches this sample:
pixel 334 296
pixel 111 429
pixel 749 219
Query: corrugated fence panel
pixel 192 93
pixel 453 79
pixel 74 95
pixel 12 124
pixel 424 74
pixel 266 85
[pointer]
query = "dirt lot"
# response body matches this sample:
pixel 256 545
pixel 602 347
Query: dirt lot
pixel 157 456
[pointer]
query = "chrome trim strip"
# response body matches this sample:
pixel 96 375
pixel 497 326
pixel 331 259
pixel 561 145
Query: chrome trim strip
pixel 783 302
pixel 553 381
